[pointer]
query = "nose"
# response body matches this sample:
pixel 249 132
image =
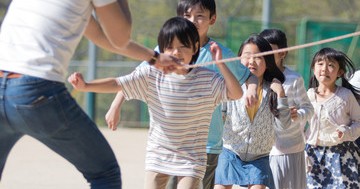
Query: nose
pixel 251 60
pixel 175 51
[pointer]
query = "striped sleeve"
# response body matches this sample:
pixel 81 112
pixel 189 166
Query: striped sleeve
pixel 135 85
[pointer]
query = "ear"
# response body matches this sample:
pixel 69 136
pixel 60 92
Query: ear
pixel 197 47
pixel 283 55
pixel 213 19
pixel 340 73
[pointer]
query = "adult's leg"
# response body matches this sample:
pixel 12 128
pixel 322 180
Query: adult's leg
pixel 48 113
pixel 8 135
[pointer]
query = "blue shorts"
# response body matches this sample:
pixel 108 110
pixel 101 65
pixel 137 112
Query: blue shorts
pixel 231 170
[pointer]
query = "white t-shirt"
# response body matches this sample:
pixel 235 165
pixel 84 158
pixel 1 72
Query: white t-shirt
pixel 38 37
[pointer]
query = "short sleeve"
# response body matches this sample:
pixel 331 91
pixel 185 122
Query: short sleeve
pixel 135 85
pixel 101 3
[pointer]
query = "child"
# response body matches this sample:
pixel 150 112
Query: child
pixel 180 105
pixel 287 153
pixel 249 132
pixel 335 125
pixel 203 14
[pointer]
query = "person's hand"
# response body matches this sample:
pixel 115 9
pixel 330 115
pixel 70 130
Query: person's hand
pixel 251 97
pixel 215 51
pixel 340 134
pixel 77 81
pixel 276 86
pixel 113 117
pixel 293 112
pixel 167 63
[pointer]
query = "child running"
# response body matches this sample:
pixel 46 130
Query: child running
pixel 249 132
pixel 180 105
pixel 287 153
pixel 334 157
pixel 203 14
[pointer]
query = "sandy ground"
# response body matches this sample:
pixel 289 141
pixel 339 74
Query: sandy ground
pixel 31 165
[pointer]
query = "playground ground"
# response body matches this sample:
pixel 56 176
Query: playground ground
pixel 31 165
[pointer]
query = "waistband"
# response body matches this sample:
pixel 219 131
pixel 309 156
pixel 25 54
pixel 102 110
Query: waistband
pixel 9 75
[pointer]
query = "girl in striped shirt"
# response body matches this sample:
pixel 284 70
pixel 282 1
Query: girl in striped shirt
pixel 180 105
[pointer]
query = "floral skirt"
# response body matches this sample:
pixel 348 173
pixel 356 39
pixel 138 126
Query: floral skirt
pixel 333 166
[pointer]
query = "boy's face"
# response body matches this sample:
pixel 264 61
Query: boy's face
pixel 180 51
pixel 200 18
pixel 278 56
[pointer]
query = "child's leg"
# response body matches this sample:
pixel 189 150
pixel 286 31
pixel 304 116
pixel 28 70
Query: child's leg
pixel 154 180
pixel 188 183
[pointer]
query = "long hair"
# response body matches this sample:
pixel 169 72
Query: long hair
pixel 345 64
pixel 184 30
pixel 271 71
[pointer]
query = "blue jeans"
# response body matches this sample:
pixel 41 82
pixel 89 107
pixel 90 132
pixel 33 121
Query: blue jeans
pixel 46 111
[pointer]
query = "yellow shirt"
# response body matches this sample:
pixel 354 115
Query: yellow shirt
pixel 252 110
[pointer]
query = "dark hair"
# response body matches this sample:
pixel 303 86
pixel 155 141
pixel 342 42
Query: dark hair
pixel 184 5
pixel 184 30
pixel 275 36
pixel 345 64
pixel 271 71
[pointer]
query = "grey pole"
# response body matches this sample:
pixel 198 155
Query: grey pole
pixel 266 14
pixel 91 75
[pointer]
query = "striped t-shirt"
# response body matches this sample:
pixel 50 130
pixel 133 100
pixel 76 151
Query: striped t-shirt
pixel 180 109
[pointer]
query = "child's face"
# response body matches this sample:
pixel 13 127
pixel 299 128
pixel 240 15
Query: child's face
pixel 326 72
pixel 200 18
pixel 180 51
pixel 257 65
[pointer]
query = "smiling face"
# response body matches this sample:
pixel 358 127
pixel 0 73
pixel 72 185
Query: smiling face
pixel 327 71
pixel 180 51
pixel 257 65
pixel 200 18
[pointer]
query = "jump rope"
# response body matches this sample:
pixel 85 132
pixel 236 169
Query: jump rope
pixel 277 51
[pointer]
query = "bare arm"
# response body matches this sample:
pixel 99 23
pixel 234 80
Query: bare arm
pixel 233 87
pixel 112 31
pixel 106 85
pixel 112 116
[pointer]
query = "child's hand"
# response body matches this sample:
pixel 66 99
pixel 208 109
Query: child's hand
pixel 215 51
pixel 276 86
pixel 77 81
pixel 251 97
pixel 293 112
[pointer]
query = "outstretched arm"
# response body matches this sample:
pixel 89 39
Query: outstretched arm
pixel 106 85
pixel 112 31
pixel 233 87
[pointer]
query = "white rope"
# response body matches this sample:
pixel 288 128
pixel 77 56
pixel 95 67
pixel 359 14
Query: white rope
pixel 278 50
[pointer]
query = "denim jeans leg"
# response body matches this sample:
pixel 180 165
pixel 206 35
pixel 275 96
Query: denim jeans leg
pixel 8 136
pixel 46 111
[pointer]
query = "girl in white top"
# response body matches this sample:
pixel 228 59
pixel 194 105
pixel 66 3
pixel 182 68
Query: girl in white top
pixel 333 156
pixel 287 154
pixel 180 105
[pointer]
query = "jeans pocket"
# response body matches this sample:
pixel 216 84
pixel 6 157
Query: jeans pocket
pixel 43 115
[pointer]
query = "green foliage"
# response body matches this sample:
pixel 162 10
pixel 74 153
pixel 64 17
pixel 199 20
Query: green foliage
pixel 242 16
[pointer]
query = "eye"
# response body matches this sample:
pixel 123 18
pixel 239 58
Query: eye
pixel 186 15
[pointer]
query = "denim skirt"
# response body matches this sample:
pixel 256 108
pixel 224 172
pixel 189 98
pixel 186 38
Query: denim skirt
pixel 231 170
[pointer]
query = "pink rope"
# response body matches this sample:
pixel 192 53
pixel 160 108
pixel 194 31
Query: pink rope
pixel 279 50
